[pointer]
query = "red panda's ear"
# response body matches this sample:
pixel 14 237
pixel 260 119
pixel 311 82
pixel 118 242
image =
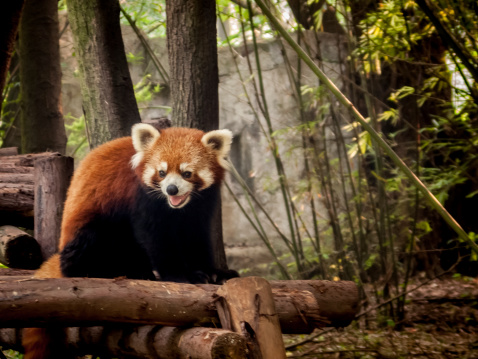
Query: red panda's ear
pixel 220 142
pixel 143 136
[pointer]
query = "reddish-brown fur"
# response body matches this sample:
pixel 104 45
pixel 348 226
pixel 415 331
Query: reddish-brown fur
pixel 102 181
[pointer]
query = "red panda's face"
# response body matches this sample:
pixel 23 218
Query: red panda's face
pixel 179 162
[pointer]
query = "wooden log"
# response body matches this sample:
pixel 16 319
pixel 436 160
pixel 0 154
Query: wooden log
pixel 199 342
pixel 16 197
pixel 27 160
pixel 12 168
pixel 339 299
pixel 16 178
pixel 88 301
pixel 145 342
pixel 52 178
pixel 246 306
pixel 13 272
pixel 18 249
pixel 9 151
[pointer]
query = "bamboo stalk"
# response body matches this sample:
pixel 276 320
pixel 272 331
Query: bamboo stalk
pixel 384 145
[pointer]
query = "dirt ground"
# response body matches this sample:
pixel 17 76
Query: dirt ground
pixel 441 322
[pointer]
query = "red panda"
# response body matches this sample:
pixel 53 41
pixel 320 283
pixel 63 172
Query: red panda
pixel 140 207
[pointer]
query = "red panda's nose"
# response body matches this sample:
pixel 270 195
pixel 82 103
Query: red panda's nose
pixel 172 190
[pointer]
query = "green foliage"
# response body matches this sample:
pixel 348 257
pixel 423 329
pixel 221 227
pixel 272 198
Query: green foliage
pixel 77 144
pixel 150 16
pixel 11 354
pixel 144 90
pixel 388 34
pixel 9 108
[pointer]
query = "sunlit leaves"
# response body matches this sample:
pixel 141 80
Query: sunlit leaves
pixel 149 16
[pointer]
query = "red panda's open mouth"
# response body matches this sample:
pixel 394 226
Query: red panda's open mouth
pixel 178 201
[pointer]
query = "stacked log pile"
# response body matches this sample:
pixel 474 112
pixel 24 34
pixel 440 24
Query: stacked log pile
pixel 32 192
pixel 16 188
pixel 251 312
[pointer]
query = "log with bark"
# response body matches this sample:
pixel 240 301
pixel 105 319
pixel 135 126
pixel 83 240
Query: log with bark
pixel 28 302
pixel 9 151
pixel 246 306
pixel 17 188
pixel 52 177
pixel 18 249
pixel 18 181
pixel 147 341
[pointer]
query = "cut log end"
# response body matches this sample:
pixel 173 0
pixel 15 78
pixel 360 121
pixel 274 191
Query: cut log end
pixel 18 249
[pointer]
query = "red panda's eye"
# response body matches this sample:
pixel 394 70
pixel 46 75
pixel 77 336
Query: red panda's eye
pixel 186 174
pixel 162 174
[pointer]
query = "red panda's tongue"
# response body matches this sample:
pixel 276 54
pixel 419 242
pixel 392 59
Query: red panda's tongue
pixel 176 200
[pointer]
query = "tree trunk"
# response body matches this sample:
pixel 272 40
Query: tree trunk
pixel 40 75
pixel 88 301
pixel 9 21
pixel 108 97
pixel 192 51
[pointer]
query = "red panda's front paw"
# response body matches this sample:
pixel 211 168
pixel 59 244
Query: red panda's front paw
pixel 216 276
pixel 200 277
pixel 221 276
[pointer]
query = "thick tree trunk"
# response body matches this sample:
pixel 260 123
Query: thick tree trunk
pixel 87 301
pixel 40 75
pixel 145 342
pixel 9 21
pixel 108 96
pixel 193 65
pixel 192 51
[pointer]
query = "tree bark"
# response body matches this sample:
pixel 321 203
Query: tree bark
pixel 194 79
pixel 16 197
pixel 18 249
pixel 87 301
pixel 9 21
pixel 192 50
pixel 52 178
pixel 108 97
pixel 40 76
pixel 145 342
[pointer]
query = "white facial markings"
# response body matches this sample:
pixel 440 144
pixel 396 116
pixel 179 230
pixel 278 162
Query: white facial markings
pixel 136 160
pixel 148 174
pixel 207 177
pixel 183 167
pixel 163 166
pixel 176 180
